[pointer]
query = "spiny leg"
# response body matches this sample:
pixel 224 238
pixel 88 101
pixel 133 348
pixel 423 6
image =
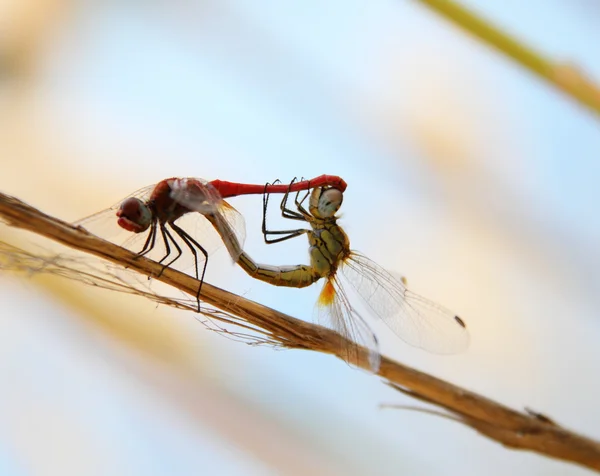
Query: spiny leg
pixel 289 233
pixel 308 189
pixel 299 203
pixel 266 196
pixel 150 241
pixel 287 212
pixel 183 237
pixel 193 245
pixel 300 213
pixel 166 237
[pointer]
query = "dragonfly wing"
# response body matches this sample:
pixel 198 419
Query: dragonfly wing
pixel 415 319
pixel 334 311
pixel 143 194
pixel 105 223
pixel 195 194
pixel 199 196
pixel 232 228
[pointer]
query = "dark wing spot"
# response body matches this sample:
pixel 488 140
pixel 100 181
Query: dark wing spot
pixel 460 321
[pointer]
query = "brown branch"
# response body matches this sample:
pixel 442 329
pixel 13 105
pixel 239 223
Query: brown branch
pixel 520 430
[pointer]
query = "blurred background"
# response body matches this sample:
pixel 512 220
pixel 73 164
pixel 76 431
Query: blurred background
pixel 466 174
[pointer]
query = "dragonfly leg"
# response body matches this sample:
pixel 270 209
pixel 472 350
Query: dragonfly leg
pixel 150 241
pixel 166 237
pixel 289 213
pixel 300 202
pixel 193 245
pixel 266 196
pixel 184 238
pixel 289 233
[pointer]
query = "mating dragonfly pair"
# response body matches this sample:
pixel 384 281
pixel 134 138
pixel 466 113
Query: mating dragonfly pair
pixel 153 212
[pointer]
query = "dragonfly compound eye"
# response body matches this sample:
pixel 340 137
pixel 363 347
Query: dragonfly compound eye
pixel 330 202
pixel 134 215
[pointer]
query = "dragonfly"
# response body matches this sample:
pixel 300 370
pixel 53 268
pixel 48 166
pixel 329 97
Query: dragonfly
pixel 415 319
pixel 153 211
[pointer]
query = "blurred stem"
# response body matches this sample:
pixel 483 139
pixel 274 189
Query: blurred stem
pixel 564 76
pixel 512 428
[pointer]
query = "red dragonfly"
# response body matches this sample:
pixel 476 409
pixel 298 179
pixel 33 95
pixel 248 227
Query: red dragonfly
pixel 154 210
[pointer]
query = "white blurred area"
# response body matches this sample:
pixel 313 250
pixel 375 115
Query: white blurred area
pixel 465 173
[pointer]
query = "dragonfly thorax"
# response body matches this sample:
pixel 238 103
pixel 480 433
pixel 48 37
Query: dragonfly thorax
pixel 163 206
pixel 329 246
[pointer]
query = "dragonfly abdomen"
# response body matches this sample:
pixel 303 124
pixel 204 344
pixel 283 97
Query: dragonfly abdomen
pixel 298 276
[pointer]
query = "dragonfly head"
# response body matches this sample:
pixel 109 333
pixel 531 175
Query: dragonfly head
pixel 134 215
pixel 325 202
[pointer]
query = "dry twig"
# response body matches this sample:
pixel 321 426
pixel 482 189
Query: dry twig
pixel 513 429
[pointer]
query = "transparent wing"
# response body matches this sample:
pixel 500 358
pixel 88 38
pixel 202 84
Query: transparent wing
pixel 232 224
pixel 143 194
pixel 334 311
pixel 416 320
pixel 104 223
pixel 197 195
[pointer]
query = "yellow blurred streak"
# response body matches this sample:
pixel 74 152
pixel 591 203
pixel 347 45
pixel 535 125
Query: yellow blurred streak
pixel 449 114
pixel 25 29
pixel 26 145
pixel 570 79
pixel 131 320
pixel 442 125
